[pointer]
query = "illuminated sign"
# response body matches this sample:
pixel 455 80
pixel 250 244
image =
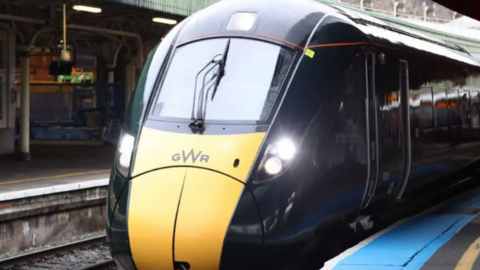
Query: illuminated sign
pixel 77 77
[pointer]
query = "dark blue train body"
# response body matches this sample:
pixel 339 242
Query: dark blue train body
pixel 323 116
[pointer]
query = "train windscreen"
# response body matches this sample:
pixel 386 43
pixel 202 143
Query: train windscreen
pixel 246 91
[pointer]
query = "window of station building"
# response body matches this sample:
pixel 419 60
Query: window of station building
pixel 2 94
pixel 3 53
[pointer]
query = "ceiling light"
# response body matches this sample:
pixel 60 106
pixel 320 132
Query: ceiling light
pixel 165 21
pixel 87 9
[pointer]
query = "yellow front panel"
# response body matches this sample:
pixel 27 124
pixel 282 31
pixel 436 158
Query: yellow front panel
pixel 208 202
pixel 151 217
pixel 157 149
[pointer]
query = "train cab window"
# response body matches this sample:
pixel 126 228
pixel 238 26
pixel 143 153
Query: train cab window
pixel 135 106
pixel 254 73
pixel 148 76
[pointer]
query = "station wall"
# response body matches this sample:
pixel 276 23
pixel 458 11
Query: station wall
pixel 7 92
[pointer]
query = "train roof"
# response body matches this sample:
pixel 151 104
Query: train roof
pixel 293 21
pixel 396 36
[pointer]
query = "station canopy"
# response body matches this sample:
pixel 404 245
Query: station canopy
pixel 178 7
pixel 39 22
pixel 470 8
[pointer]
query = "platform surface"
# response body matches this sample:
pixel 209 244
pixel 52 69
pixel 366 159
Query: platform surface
pixel 444 237
pixel 52 166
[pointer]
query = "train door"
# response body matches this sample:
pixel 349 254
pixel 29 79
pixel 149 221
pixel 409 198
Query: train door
pixel 388 121
pixel 405 123
pixel 372 131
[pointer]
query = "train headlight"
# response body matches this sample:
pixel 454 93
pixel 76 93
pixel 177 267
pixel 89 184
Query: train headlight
pixel 273 166
pixel 125 151
pixel 276 160
pixel 285 149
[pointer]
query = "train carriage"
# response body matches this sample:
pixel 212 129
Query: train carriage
pixel 257 125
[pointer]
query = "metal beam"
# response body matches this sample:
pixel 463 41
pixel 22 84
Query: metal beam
pixel 120 41
pixel 20 19
pixel 103 30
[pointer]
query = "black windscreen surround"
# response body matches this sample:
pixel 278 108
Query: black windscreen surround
pixel 254 72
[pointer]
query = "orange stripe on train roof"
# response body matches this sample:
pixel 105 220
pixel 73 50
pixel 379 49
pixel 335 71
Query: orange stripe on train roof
pixel 286 41
pixel 280 39
pixel 198 35
pixel 339 44
pixel 294 44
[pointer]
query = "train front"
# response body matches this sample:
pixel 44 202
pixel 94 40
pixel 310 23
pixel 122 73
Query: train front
pixel 178 197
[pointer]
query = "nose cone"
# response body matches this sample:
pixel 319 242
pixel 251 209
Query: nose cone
pixel 152 211
pixel 181 215
pixel 207 205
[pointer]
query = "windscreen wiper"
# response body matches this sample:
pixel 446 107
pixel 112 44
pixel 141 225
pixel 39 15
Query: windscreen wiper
pixel 198 123
pixel 221 70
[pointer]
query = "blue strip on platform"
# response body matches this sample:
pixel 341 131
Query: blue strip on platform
pixel 408 246
pixel 411 244
pixel 425 254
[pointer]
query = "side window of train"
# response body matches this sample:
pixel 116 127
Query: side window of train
pixel 464 105
pixel 387 90
pixel 439 99
pixel 475 108
pixel 421 113
pixel 440 114
pixel 453 108
pixel 454 119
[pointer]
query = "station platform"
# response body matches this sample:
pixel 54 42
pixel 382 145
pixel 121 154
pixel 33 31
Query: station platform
pixel 52 165
pixel 444 237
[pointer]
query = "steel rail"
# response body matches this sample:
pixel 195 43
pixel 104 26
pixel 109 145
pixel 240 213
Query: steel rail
pixel 9 262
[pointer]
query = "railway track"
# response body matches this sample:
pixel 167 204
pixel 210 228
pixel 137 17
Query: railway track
pixel 87 254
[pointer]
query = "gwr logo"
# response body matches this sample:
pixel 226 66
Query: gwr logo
pixel 190 155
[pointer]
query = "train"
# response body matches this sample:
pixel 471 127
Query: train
pixel 257 126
